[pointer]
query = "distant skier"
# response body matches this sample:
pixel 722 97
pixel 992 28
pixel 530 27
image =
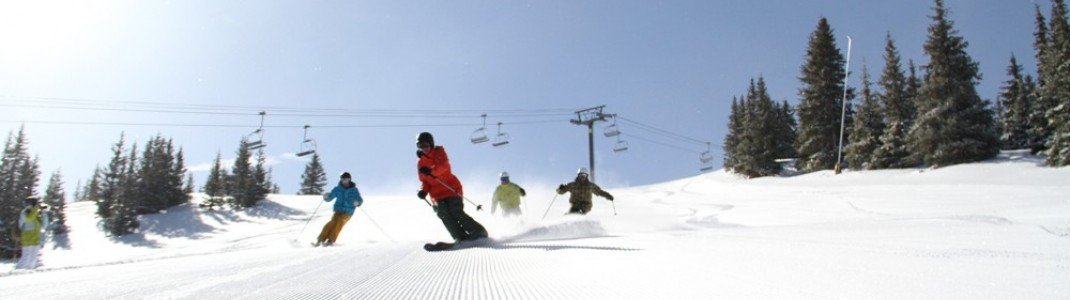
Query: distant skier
pixel 507 195
pixel 348 200
pixel 32 221
pixel 445 190
pixel 581 193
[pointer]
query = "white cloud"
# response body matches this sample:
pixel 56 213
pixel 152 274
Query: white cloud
pixel 269 160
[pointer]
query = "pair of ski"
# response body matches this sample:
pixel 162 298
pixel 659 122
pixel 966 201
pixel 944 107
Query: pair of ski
pixel 447 246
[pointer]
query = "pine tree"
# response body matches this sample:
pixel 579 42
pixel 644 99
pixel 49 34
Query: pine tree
pixel 954 125
pixel 261 182
pixel 189 188
pixel 867 129
pixel 731 139
pixel 315 178
pixel 111 180
pixel 152 180
pixel 821 102
pixel 177 193
pixel 1015 100
pixel 1058 85
pixel 215 185
pixel 123 211
pixel 56 199
pixel 1040 130
pixel 899 111
pixel 78 196
pixel 759 141
pixel 91 192
pixel 243 184
pixel 785 131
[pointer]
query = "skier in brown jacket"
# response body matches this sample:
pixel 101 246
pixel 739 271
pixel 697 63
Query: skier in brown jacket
pixel 582 190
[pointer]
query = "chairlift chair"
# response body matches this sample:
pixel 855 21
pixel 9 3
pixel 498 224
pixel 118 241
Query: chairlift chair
pixel 621 146
pixel 308 146
pixel 612 130
pixel 255 139
pixel 502 138
pixel 706 157
pixel 480 135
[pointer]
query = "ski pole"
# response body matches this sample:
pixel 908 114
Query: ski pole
pixel 309 220
pixel 478 206
pixel 548 207
pixel 614 207
pixel 377 224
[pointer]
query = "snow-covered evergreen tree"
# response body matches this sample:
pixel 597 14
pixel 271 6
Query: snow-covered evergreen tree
pixel 1040 130
pixel 757 148
pixel 1058 85
pixel 1015 99
pixel 867 129
pixel 821 101
pixel 954 125
pixel 785 131
pixel 899 111
pixel 731 139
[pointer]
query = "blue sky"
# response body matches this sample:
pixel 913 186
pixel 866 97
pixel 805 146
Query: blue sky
pixel 670 64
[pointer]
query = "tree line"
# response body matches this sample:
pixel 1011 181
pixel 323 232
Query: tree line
pixel 933 119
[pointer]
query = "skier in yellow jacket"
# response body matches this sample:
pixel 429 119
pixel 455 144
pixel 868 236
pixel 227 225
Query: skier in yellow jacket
pixel 507 195
pixel 32 221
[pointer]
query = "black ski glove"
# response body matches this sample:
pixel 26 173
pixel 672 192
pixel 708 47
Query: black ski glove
pixel 419 154
pixel 610 197
pixel 425 171
pixel 422 194
pixel 523 192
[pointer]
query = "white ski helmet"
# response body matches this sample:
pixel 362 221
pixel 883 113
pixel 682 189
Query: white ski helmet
pixel 583 171
pixel 504 175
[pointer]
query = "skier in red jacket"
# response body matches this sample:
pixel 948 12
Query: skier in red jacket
pixel 445 190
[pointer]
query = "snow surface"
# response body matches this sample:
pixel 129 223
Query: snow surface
pixel 992 230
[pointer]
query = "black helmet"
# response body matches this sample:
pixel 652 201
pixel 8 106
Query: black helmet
pixel 426 137
pixel 345 175
pixel 31 200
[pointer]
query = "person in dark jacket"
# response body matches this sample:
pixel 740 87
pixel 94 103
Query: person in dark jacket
pixel 582 191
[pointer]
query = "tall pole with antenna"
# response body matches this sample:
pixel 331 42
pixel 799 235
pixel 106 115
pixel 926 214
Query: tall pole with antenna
pixel 843 111
pixel 588 117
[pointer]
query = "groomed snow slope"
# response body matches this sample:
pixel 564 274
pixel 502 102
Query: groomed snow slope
pixel 994 230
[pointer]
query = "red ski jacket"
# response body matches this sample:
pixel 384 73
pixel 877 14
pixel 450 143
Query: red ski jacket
pixel 439 164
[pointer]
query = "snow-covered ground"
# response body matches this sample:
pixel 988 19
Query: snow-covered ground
pixel 995 230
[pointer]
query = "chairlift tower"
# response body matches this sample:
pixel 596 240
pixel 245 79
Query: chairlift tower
pixel 588 117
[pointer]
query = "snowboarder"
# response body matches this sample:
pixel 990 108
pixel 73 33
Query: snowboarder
pixel 507 195
pixel 32 221
pixel 348 200
pixel 581 192
pixel 445 190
